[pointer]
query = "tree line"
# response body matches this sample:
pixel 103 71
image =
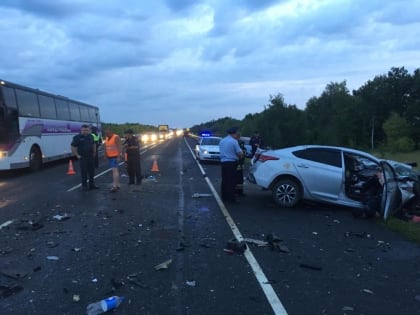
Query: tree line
pixel 119 129
pixel 384 113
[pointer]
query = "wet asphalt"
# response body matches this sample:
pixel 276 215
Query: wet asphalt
pixel 109 244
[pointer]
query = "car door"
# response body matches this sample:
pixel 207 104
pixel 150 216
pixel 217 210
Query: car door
pixel 391 195
pixel 321 172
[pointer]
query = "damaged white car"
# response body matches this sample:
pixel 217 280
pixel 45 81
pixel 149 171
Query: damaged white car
pixel 335 175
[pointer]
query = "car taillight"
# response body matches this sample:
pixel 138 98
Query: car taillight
pixel 264 158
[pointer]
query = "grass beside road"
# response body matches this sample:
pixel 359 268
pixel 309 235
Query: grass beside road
pixel 409 230
pixel 401 157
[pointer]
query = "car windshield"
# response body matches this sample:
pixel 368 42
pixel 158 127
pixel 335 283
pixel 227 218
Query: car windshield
pixel 210 141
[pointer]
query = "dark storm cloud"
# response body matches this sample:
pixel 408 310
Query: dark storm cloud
pixel 199 59
pixel 47 8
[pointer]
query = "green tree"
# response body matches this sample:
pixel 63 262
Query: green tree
pixel 397 131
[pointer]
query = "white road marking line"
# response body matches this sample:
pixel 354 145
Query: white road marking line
pixel 109 169
pixel 265 285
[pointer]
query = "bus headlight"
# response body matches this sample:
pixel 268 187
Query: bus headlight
pixel 3 154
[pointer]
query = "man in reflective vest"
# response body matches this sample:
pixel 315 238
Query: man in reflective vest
pixel 98 141
pixel 113 152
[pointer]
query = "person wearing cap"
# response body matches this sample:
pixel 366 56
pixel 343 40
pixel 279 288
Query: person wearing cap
pixel 230 153
pixel 84 148
pixel 132 150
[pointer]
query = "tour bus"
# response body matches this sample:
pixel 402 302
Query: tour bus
pixel 37 127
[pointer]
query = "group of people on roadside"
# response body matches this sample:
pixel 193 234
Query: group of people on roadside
pixel 85 147
pixel 232 158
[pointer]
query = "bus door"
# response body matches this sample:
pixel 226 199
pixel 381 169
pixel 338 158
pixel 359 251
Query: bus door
pixel 3 129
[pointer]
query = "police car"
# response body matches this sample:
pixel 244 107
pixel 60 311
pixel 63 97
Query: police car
pixel 207 148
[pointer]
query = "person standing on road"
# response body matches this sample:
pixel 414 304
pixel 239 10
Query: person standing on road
pixel 230 153
pixel 255 142
pixel 113 152
pixel 98 140
pixel 132 150
pixel 84 148
pixel 239 188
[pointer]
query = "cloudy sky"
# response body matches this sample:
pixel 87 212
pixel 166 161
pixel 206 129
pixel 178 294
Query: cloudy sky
pixel 183 62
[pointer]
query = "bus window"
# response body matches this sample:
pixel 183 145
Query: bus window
pixel 28 103
pixel 84 112
pixel 47 107
pixel 62 109
pixel 74 111
pixel 93 115
pixel 9 97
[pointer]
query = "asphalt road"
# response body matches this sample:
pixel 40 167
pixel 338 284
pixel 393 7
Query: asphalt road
pixel 109 244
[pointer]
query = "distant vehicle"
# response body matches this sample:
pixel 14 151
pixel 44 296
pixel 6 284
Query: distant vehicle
pixel 149 137
pixel 207 149
pixel 38 127
pixel 163 132
pixel 334 175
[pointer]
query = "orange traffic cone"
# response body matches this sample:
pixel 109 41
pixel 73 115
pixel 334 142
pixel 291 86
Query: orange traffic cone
pixel 71 169
pixel 155 167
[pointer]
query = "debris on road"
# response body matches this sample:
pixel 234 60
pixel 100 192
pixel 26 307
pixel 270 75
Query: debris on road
pixel 358 234
pixel 6 291
pixel 13 272
pixel 104 305
pixel 367 291
pixel 191 283
pixel 198 195
pixel 181 247
pixel 255 241
pixel 274 243
pixel 29 225
pixel 76 298
pixel 310 266
pixel 60 217
pixel 236 246
pixel 7 223
pixel 164 265
pixel 229 251
pixel 52 258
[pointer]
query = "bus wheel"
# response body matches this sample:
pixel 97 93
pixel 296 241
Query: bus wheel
pixel 35 159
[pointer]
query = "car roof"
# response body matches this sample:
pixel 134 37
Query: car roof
pixel 211 138
pixel 314 146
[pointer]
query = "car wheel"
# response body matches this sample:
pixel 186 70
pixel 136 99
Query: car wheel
pixel 287 193
pixel 35 159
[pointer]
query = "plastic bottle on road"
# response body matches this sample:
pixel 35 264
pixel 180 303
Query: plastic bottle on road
pixel 104 305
